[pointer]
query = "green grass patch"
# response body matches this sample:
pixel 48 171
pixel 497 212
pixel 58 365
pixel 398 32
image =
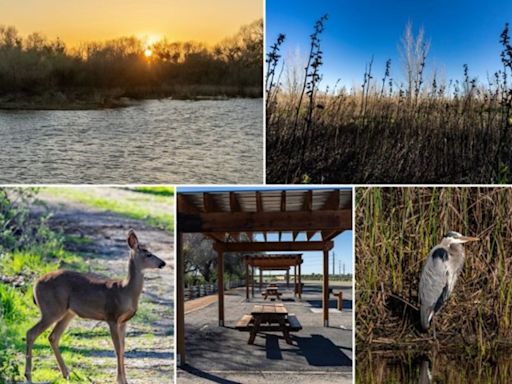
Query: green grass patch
pixel 160 191
pixel 137 207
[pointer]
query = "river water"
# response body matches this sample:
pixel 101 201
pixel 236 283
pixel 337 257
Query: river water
pixel 430 367
pixel 156 141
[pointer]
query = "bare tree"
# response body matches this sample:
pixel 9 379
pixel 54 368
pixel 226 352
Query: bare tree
pixel 414 51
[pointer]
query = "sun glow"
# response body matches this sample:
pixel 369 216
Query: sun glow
pixel 148 52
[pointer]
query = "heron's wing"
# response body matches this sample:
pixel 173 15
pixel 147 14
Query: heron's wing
pixel 433 289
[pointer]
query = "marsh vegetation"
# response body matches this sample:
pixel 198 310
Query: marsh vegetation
pixel 392 129
pixel 395 230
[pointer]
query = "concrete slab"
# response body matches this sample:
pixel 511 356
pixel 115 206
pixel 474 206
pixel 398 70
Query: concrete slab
pixel 318 354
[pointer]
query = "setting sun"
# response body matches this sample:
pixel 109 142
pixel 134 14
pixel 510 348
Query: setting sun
pixel 148 52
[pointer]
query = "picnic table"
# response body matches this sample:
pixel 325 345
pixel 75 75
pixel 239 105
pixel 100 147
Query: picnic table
pixel 269 318
pixel 271 291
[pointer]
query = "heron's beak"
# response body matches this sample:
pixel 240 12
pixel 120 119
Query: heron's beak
pixel 466 239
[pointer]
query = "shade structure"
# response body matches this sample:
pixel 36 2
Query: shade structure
pixel 309 219
pixel 273 262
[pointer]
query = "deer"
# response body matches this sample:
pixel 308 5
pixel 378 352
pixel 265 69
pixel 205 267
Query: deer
pixel 61 295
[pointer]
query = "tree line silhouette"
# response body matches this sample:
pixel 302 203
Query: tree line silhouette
pixel 35 65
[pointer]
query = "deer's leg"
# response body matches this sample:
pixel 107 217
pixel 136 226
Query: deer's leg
pixel 32 335
pixel 115 332
pixel 122 337
pixel 54 341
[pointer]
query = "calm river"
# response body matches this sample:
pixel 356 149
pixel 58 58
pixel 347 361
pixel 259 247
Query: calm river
pixel 156 141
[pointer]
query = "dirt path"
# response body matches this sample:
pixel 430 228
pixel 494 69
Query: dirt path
pixel 100 237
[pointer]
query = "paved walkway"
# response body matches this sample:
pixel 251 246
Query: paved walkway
pixel 221 354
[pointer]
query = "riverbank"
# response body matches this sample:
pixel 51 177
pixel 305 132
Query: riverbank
pixel 80 99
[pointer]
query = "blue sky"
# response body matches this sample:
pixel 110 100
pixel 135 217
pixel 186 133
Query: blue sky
pixel 312 260
pixel 460 32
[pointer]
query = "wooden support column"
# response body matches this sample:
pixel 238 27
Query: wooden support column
pixel 261 279
pixel 220 284
pixel 252 280
pixel 246 280
pixel 288 278
pixel 300 283
pixel 295 280
pixel 325 289
pixel 180 302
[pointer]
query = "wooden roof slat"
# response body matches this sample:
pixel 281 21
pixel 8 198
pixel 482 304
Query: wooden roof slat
pixel 307 204
pixel 332 201
pixel 234 204
pixel 209 203
pixel 310 234
pixel 283 201
pixel 259 202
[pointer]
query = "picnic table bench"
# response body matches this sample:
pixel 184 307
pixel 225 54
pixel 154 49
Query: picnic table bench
pixel 269 318
pixel 271 291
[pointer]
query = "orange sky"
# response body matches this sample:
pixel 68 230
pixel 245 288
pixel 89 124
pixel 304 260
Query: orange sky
pixel 75 21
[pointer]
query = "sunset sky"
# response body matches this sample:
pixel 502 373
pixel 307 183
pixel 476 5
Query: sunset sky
pixel 75 21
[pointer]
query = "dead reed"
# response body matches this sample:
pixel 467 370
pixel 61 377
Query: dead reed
pixel 395 230
pixel 388 131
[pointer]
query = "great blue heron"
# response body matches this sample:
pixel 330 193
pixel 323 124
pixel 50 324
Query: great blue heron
pixel 440 272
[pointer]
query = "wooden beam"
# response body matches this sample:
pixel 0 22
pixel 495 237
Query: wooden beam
pixel 325 289
pixel 307 204
pixel 279 236
pixel 270 246
pixel 235 236
pixel 252 281
pixel 259 202
pixel 283 201
pixel 295 234
pixel 329 235
pixel 185 205
pixel 333 201
pixel 217 236
pixel 246 280
pixel 332 220
pixel 265 236
pixel 310 234
pixel 234 203
pixel 180 302
pixel 209 203
pixel 220 286
pixel 300 283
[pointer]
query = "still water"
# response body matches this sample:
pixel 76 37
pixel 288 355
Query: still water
pixel 156 141
pixel 432 367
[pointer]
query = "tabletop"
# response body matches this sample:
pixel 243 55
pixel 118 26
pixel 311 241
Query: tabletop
pixel 278 309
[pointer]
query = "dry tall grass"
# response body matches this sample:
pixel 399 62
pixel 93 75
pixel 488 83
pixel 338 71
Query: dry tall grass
pixel 395 230
pixel 389 132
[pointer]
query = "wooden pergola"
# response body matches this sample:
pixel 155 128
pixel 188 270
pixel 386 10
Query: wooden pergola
pixel 273 262
pixel 225 216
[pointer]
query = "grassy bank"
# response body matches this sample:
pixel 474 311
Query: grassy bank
pixel 395 230
pixel 141 206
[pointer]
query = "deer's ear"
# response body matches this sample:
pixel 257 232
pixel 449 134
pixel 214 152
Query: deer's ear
pixel 133 242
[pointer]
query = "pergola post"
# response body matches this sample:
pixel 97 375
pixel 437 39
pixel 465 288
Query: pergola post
pixel 300 284
pixel 180 302
pixel 220 284
pixel 261 279
pixel 246 279
pixel 295 280
pixel 288 278
pixel 325 290
pixel 252 280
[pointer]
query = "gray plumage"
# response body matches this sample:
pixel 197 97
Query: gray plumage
pixel 439 275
